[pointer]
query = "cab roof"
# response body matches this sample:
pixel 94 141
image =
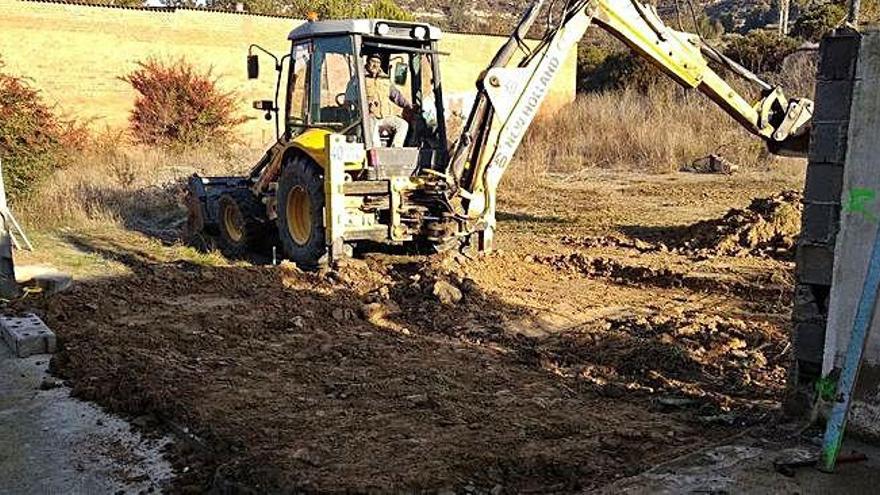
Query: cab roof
pixel 398 30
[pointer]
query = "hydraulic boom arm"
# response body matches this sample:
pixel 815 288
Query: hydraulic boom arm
pixel 509 97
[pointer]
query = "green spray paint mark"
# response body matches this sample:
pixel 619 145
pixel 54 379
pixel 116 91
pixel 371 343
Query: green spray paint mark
pixel 826 388
pixel 858 202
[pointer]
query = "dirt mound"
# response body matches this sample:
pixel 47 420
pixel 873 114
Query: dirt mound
pixel 768 227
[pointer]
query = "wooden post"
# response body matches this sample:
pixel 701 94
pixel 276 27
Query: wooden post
pixel 784 6
pixel 853 16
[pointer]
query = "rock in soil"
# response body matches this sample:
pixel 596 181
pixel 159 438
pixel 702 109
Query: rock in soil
pixel 447 293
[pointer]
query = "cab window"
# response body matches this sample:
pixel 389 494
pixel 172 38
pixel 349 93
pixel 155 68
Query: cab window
pixel 297 98
pixel 335 103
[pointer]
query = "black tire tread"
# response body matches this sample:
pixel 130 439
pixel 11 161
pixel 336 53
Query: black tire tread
pixel 302 171
pixel 254 229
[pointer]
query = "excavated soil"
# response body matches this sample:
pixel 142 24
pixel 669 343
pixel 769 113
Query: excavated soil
pixel 551 366
pixel 768 227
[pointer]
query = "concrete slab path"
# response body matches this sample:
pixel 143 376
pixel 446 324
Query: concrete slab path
pixel 53 443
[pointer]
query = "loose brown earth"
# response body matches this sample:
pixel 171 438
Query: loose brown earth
pixel 610 332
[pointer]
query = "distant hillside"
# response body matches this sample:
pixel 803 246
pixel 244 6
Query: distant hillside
pixel 498 16
pixel 484 16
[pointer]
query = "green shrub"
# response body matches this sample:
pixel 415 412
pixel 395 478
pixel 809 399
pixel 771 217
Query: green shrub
pixel 818 20
pixel 179 106
pixel 600 69
pixel 459 16
pixel 759 16
pixel 34 141
pixel 386 9
pixel 760 51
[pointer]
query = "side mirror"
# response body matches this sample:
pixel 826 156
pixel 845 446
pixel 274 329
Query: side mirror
pixel 400 73
pixel 267 106
pixel 264 105
pixel 253 67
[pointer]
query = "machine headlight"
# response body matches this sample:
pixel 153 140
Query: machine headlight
pixel 383 29
pixel 420 32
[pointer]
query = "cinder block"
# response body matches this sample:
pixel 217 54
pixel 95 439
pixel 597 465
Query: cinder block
pixel 809 341
pixel 837 57
pixel 828 142
pixel 815 263
pixel 807 307
pixel 833 101
pixel 27 335
pixel 824 183
pixel 820 222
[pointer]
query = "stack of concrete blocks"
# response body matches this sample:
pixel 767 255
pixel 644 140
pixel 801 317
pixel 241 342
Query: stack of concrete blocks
pixel 836 78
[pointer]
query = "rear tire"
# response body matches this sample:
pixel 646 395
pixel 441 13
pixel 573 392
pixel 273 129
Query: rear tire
pixel 240 229
pixel 300 210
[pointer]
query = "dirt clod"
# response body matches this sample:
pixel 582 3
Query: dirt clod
pixel 343 315
pixel 49 383
pixel 446 293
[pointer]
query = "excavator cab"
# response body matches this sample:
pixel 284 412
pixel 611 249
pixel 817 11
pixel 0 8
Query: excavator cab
pixel 375 82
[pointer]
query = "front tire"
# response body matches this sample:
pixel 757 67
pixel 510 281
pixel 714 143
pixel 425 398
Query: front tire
pixel 300 210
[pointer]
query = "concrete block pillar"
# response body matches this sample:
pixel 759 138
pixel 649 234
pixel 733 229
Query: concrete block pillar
pixel 815 252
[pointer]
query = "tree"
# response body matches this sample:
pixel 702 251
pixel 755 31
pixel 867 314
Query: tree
pixel 818 20
pixel 760 50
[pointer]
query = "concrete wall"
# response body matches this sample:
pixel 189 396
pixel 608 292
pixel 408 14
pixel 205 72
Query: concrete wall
pixel 859 224
pixel 76 53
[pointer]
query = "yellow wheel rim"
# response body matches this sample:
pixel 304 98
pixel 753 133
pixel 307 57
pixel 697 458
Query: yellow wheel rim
pixel 232 224
pixel 299 215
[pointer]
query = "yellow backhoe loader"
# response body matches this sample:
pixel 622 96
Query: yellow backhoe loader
pixel 354 164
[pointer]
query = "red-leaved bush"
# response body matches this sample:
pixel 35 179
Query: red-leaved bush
pixel 34 140
pixel 180 106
